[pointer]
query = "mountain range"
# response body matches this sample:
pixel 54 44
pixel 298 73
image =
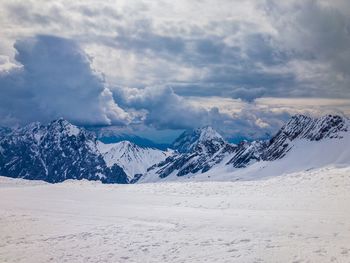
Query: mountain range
pixel 302 143
pixel 59 151
pixel 110 135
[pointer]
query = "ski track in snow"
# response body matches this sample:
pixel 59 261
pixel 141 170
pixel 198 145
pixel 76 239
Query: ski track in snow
pixel 300 217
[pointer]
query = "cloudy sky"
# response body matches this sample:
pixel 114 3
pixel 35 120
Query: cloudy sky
pixel 241 66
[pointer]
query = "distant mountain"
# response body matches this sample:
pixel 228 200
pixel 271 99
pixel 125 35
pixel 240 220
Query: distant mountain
pixel 60 151
pixel 204 151
pixel 54 153
pixel 198 140
pixel 108 136
pixel 299 127
pixel 307 128
pixel 132 158
pixel 197 151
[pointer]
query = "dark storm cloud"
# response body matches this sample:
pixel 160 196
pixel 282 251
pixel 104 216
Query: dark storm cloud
pixel 55 80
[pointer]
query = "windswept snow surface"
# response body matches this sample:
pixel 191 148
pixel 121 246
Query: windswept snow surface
pixel 300 217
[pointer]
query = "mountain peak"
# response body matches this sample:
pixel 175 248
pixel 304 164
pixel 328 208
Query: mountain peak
pixel 127 145
pixel 60 122
pixel 62 125
pixel 132 158
pixel 208 133
pixel 191 139
pixel 304 127
pixel 54 153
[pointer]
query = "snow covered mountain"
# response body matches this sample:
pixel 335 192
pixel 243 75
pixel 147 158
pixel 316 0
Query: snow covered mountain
pixel 201 139
pixel 302 127
pixel 197 151
pixel 321 141
pixel 299 127
pixel 54 153
pixel 60 151
pixel 132 158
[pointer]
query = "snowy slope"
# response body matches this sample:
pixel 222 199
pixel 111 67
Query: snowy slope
pixel 304 155
pixel 301 217
pixel 302 143
pixel 131 157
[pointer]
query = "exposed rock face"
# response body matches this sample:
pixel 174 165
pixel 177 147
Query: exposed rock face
pixel 54 153
pixel 303 127
pixel 247 153
pixel 198 150
pixel 201 149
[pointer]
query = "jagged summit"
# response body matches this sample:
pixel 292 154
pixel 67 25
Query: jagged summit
pixel 63 126
pixel 132 158
pixel 55 152
pixel 195 139
pixel 56 126
pixel 304 127
pixel 301 127
pixel 202 149
pixel 60 150
pixel 208 133
pixel 129 146
pixel 197 151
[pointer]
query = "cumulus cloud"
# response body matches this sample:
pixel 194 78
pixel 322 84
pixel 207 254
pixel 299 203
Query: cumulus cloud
pixel 296 48
pixel 177 49
pixel 55 80
pixel 164 109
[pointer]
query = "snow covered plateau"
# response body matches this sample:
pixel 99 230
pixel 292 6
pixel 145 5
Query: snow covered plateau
pixel 299 217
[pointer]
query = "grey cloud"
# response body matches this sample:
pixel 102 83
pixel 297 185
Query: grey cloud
pixel 154 43
pixel 308 33
pixel 223 69
pixel 317 33
pixel 301 49
pixel 223 54
pixel 248 94
pixel 166 110
pixel 227 81
pixel 25 13
pixel 56 80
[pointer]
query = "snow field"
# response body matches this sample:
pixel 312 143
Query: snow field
pixel 300 217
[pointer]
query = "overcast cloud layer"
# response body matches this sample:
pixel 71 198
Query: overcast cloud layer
pixel 174 64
